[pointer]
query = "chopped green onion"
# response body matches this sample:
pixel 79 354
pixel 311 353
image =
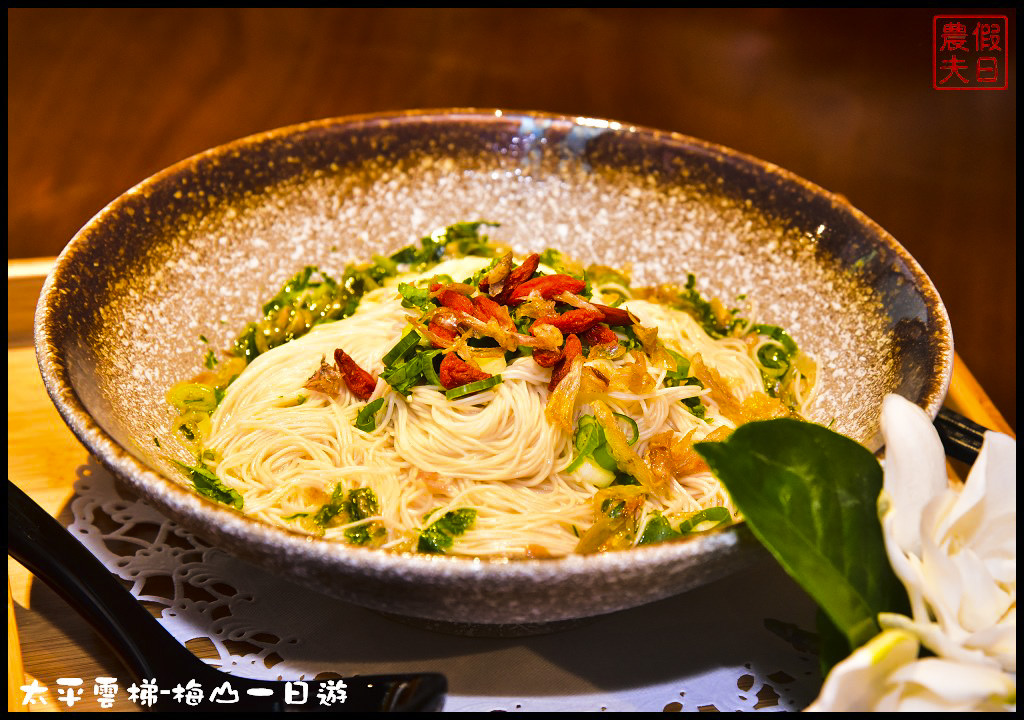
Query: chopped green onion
pixel 473 387
pixel 628 423
pixel 716 515
pixel 777 333
pixel 590 441
pixel 403 377
pixel 400 350
pixel 658 530
pixel 429 371
pixel 366 420
pixel 603 456
pixel 587 438
pixel 193 396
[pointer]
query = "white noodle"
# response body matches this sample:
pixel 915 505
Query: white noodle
pixel 494 451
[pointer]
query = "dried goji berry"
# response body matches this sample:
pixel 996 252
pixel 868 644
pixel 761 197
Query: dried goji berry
pixel 547 286
pixel 517 277
pixel 456 372
pixel 456 301
pixel 360 382
pixel 615 315
pixel 573 348
pixel 600 334
pixel 444 334
pixel 487 309
pixel 547 358
pixel 577 320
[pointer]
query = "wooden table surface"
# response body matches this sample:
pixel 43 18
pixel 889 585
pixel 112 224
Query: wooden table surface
pixel 44 459
pixel 99 99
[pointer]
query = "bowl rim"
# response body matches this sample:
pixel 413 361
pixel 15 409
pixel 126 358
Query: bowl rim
pixel 172 496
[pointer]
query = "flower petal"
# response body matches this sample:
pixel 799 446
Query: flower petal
pixel 915 467
pixel 857 683
pixel 935 684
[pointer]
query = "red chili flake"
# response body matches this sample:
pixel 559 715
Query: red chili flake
pixel 547 286
pixel 573 348
pixel 360 383
pixel 487 309
pixel 517 277
pixel 578 320
pixel 456 372
pixel 600 334
pixel 615 315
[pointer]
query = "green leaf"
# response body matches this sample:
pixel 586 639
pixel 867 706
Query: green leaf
pixel 415 297
pixel 778 334
pixel 209 485
pixel 832 644
pixel 809 495
pixel 332 508
pixel 440 535
pixel 352 506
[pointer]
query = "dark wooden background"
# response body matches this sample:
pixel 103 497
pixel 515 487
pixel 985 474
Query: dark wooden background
pixel 100 99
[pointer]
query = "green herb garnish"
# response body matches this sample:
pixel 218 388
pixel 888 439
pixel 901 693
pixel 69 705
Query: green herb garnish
pixel 690 300
pixel 698 521
pixel 561 264
pixel 439 536
pixel 403 377
pixel 349 507
pixel 658 530
pixel 591 444
pixel 415 297
pixel 193 396
pixel 209 485
pixel 402 349
pixel 366 420
pixel 473 387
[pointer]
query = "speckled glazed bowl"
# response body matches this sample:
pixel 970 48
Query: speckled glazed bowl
pixel 197 248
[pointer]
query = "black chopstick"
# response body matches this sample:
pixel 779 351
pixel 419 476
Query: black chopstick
pixel 961 438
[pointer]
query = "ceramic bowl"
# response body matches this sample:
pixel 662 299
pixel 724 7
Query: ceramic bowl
pixel 196 249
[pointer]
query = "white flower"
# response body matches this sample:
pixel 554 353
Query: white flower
pixel 884 675
pixel 954 548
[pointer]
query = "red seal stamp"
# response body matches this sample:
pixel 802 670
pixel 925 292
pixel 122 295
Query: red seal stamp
pixel 969 52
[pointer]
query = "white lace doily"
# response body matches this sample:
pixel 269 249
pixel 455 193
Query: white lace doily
pixel 738 644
